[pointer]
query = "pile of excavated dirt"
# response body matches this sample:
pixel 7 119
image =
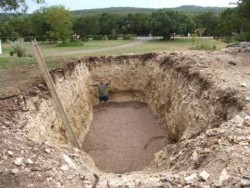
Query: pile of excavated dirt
pixel 200 98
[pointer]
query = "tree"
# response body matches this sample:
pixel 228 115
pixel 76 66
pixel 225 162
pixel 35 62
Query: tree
pixel 167 23
pixel 138 23
pixel 8 5
pixel 229 23
pixel 59 22
pixel 86 25
pixel 208 20
pixel 108 22
pixel 244 14
pixel 39 26
pixel 14 27
pixel 244 8
pixel 7 31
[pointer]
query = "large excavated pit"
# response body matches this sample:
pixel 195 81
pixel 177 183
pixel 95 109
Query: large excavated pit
pixel 173 120
pixel 155 100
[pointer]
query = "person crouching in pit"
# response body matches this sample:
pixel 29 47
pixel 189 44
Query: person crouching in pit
pixel 103 93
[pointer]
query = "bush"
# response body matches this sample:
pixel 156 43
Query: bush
pixel 245 36
pixel 20 51
pixel 105 37
pixel 19 48
pixel 112 37
pixel 84 39
pixel 228 39
pixel 97 37
pixel 128 37
pixel 12 53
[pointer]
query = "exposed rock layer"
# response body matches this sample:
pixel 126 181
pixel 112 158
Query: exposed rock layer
pixel 193 93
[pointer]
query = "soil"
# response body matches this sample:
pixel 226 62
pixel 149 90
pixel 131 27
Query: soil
pixel 35 151
pixel 117 137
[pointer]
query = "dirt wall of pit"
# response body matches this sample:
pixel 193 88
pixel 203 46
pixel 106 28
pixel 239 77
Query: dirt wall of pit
pixel 43 123
pixel 183 99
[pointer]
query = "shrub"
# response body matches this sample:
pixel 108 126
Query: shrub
pixel 84 39
pixel 12 53
pixel 105 37
pixel 20 51
pixel 245 36
pixel 112 37
pixel 97 37
pixel 19 48
pixel 128 37
pixel 228 39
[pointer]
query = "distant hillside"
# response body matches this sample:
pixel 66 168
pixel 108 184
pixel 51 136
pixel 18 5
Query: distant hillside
pixel 192 9
pixel 199 9
pixel 117 10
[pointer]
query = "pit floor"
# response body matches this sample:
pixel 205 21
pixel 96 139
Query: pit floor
pixel 124 137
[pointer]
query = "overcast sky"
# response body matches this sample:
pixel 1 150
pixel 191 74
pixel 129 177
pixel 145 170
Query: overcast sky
pixel 89 4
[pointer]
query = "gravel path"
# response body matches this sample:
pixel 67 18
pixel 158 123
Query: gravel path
pixel 118 135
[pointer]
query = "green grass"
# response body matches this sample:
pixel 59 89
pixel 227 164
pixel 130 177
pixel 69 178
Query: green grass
pixel 156 46
pixel 14 71
pixel 50 50
pixel 70 44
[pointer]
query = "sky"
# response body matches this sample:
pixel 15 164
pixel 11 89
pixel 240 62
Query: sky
pixel 89 4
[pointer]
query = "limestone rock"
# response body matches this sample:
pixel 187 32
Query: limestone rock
pixel 10 153
pixel 245 183
pixel 14 171
pixel 29 161
pixel 204 175
pixel 223 177
pixel 69 161
pixel 247 121
pixel 212 132
pixel 191 178
pixel 239 139
pixel 18 161
pixel 47 150
pixel 243 84
pixel 195 156
pixel 64 167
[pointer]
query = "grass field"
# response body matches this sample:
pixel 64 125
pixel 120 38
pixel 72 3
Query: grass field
pixel 14 70
pixel 159 46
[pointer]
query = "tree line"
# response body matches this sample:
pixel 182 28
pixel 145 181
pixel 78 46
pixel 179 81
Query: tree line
pixel 57 23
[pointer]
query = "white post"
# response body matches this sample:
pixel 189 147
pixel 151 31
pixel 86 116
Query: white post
pixel 1 47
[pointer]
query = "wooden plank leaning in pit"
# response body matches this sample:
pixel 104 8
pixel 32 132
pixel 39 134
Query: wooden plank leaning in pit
pixel 46 75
